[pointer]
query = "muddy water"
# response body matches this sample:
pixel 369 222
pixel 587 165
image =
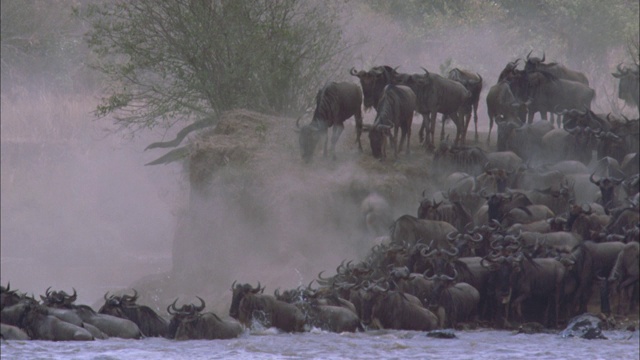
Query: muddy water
pixel 269 344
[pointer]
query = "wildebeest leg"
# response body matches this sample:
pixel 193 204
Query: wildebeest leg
pixel 394 141
pixel 337 130
pixel 444 120
pixel 475 120
pixel 530 117
pixel 423 128
pixel 459 128
pixel 358 118
pixel 490 127
pixel 326 140
pixel 432 129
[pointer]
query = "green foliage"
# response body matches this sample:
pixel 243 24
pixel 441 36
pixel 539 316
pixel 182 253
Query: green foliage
pixel 168 60
pixel 40 40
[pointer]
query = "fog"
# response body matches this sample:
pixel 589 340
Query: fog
pixel 80 210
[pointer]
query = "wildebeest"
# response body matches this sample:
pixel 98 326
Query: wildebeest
pixel 391 309
pixel 373 83
pixel 335 103
pixel 557 70
pixel 458 300
pixel 125 307
pixel 452 212
pixel 519 278
pixel 190 323
pixel 249 305
pixel 394 111
pixel 629 84
pixel 587 261
pixel 410 230
pixel 473 83
pixel 525 140
pixel 626 270
pixel 569 144
pixel 551 94
pixel 436 94
pixel 110 325
pixel 502 104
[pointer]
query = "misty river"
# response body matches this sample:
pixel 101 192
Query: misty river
pixel 379 344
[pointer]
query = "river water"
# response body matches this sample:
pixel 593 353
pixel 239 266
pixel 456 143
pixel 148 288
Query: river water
pixel 382 344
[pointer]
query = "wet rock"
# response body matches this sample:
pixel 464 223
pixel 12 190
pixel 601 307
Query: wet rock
pixel 586 326
pixel 442 334
pixel 533 328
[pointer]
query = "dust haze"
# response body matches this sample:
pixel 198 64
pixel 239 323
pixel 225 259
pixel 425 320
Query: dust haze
pixel 79 209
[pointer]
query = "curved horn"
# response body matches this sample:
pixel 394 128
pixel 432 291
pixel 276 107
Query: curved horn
pixel 105 296
pixel 529 54
pixel 233 284
pixel 46 292
pixel 477 237
pixel 543 57
pixel 451 236
pixel 172 306
pixel 451 253
pixel 135 296
pixel 201 307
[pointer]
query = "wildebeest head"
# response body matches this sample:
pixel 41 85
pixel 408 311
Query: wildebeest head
pixel 508 70
pixel 378 135
pixel 628 85
pixel 533 63
pixel 373 83
pixel 427 208
pixel 309 136
pixel 59 299
pixel 8 297
pixel 184 313
pixel 239 291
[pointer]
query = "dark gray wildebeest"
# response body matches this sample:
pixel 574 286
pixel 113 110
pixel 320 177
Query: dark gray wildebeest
pixel 249 305
pixel 373 83
pixel 34 319
pixel 411 230
pixel 335 103
pixel 436 94
pixel 190 323
pixel 626 271
pixel 586 262
pixel 629 83
pixel 503 105
pixel 549 93
pixel 473 83
pixel 453 302
pixel 395 111
pixel 518 278
pixel 110 325
pixel 560 71
pixel 525 140
pixel 390 309
pixel 450 211
pixel 150 323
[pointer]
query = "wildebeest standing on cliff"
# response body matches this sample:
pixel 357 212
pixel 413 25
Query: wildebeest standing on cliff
pixel 436 94
pixel 628 88
pixel 395 110
pixel 473 83
pixel 335 103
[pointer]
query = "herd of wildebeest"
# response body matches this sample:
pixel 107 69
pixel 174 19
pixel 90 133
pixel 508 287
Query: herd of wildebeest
pixel 527 233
